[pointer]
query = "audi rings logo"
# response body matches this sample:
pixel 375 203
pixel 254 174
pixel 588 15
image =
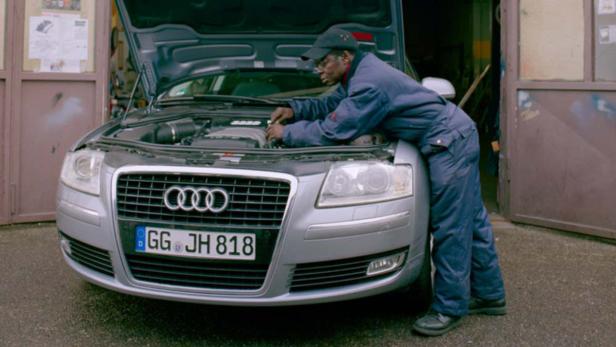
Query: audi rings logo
pixel 188 199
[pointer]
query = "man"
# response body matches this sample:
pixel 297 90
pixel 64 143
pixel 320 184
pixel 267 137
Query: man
pixel 372 95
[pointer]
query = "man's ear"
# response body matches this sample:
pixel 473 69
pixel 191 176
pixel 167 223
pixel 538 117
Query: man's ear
pixel 347 57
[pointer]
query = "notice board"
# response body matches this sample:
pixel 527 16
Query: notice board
pixel 59 36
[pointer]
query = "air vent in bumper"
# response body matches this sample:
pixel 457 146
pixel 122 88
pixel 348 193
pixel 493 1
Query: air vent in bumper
pixel 337 273
pixel 196 273
pixel 91 257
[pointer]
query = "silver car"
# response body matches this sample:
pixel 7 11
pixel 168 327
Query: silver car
pixel 186 200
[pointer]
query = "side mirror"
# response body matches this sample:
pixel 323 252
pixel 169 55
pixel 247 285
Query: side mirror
pixel 442 86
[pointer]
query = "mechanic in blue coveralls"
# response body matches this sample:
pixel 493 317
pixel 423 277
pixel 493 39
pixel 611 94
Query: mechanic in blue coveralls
pixel 372 95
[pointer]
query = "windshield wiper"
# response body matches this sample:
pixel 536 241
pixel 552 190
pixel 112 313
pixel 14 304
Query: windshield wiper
pixel 230 99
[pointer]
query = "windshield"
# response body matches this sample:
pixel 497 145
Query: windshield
pixel 261 83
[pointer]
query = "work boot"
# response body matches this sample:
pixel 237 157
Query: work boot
pixel 435 324
pixel 490 307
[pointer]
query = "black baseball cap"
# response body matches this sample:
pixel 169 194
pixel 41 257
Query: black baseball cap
pixel 333 38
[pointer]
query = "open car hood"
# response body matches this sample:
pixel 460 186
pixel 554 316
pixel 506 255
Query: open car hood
pixel 172 41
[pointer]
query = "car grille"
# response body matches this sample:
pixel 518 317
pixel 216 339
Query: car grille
pixel 337 273
pixel 253 202
pixel 89 256
pixel 256 206
pixel 192 273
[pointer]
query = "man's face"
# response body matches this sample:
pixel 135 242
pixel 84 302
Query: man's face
pixel 331 69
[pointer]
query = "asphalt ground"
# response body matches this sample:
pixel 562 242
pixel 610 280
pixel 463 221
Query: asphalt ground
pixel 561 291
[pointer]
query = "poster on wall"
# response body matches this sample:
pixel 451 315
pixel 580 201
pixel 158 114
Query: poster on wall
pixel 59 41
pixel 71 5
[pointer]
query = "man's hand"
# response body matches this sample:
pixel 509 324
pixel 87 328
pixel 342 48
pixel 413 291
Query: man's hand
pixel 275 132
pixel 281 115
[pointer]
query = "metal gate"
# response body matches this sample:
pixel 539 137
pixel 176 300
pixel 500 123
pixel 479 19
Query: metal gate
pixel 559 128
pixel 54 89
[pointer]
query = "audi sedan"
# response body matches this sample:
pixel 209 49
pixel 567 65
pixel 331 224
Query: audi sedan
pixel 186 200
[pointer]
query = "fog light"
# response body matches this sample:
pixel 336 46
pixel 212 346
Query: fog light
pixel 385 264
pixel 66 246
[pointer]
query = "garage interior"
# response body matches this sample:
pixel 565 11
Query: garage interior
pixel 451 39
pixel 460 42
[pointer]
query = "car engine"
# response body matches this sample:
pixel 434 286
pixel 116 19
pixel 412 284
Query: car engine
pixel 216 133
pixel 211 133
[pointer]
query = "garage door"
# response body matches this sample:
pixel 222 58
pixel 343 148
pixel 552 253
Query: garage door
pixel 58 92
pixel 560 129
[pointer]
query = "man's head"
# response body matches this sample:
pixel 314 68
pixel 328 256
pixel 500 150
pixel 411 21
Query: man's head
pixel 332 52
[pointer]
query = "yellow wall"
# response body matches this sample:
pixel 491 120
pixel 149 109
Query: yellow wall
pixel 552 40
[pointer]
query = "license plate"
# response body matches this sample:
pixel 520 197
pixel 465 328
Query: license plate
pixel 198 244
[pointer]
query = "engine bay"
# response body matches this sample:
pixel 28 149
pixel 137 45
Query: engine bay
pixel 214 133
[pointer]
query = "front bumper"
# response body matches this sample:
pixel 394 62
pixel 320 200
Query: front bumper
pixel 307 236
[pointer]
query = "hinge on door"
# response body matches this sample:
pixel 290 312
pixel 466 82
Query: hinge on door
pixel 13 198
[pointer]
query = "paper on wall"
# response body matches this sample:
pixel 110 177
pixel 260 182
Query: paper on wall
pixel 60 65
pixel 607 7
pixel 75 39
pixel 607 34
pixel 58 38
pixel 43 37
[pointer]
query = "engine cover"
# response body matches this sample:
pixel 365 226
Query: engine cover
pixel 233 137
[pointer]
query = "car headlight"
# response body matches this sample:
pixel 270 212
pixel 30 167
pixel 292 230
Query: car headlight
pixel 365 182
pixel 81 170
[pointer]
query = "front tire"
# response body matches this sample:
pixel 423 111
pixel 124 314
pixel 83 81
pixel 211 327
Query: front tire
pixel 419 293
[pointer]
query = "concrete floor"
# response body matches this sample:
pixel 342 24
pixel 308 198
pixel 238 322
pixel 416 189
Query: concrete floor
pixel 560 292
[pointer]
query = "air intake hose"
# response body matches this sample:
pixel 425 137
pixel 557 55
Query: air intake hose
pixel 173 132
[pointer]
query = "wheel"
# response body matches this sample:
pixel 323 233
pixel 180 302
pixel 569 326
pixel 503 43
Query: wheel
pixel 419 293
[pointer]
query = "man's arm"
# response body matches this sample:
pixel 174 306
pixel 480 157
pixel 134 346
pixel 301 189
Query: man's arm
pixel 356 115
pixel 317 108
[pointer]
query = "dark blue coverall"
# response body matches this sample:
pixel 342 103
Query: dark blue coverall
pixel 375 96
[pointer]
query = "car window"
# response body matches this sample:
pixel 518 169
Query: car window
pixel 251 83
